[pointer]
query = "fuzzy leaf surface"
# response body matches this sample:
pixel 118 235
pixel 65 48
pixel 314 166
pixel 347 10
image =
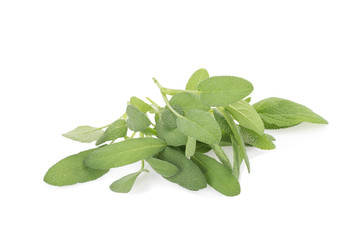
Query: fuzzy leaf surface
pixel 117 129
pixel 196 78
pixel 188 102
pixel 254 139
pixel 164 168
pixel 190 147
pixel 137 120
pixel 84 134
pixel 125 184
pixel 172 137
pixel 140 104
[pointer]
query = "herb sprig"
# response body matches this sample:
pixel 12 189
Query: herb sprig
pixel 209 114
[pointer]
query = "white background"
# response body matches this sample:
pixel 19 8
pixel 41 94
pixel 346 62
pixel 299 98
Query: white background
pixel 69 63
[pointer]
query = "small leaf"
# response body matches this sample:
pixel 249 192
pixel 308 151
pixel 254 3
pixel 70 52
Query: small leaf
pixel 84 134
pixel 188 102
pixel 168 118
pixel 137 121
pixel 124 184
pixel 117 129
pixel 281 113
pixel 217 175
pixel 248 99
pixel 71 170
pixel 149 131
pixel 223 90
pixel 200 125
pixel 172 137
pixel 256 140
pixel 189 175
pixel 190 147
pixel 164 168
pixel 220 153
pixel 140 104
pixel 125 152
pixel 196 78
pixel 246 116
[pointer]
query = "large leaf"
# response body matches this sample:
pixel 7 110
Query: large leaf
pixel 137 120
pixel 252 138
pixel 196 78
pixel 188 102
pixel 126 152
pixel 85 134
pixel 125 184
pixel 189 175
pixel 223 90
pixel 281 113
pixel 71 170
pixel 116 130
pixel 200 125
pixel 172 136
pixel 217 175
pixel 140 104
pixel 164 168
pixel 246 116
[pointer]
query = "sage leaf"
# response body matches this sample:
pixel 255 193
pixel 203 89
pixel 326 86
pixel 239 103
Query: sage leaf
pixel 164 168
pixel 140 104
pixel 71 170
pixel 246 116
pixel 190 147
pixel 220 119
pixel 125 184
pixel 188 102
pixel 117 129
pixel 168 118
pixel 137 121
pixel 237 157
pixel 196 78
pixel 84 134
pixel 221 155
pixel 223 90
pixel 149 131
pixel 263 141
pixel 189 175
pixel 172 136
pixel 279 113
pixel 200 125
pixel 217 175
pixel 125 152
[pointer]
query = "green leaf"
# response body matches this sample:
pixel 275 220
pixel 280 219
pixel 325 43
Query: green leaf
pixel 117 129
pixel 281 113
pixel 125 184
pixel 248 99
pixel 189 175
pixel 236 156
pixel 246 116
pixel 172 137
pixel 217 175
pixel 125 152
pixel 221 155
pixel 196 78
pixel 200 125
pixel 140 104
pixel 188 102
pixel 149 131
pixel 254 139
pixel 223 90
pixel 164 168
pixel 202 147
pixel 168 118
pixel 220 119
pixel 84 134
pixel 137 121
pixel 71 170
pixel 190 147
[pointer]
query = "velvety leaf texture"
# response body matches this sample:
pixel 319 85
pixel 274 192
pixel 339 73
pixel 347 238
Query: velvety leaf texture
pixel 168 118
pixel 164 168
pixel 252 138
pixel 224 126
pixel 84 134
pixel 116 130
pixel 126 152
pixel 125 184
pixel 223 90
pixel 188 102
pixel 137 121
pixel 140 104
pixel 71 170
pixel 190 147
pixel 196 78
pixel 172 137
pixel 281 113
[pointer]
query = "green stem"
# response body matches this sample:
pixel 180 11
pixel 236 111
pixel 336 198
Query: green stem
pixel 221 155
pixel 165 99
pixel 133 134
pixel 170 91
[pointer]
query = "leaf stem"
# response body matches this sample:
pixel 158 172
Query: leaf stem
pixel 165 99
pixel 170 91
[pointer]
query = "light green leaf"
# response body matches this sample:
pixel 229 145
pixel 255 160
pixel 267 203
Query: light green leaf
pixel 149 131
pixel 248 99
pixel 236 156
pixel 217 175
pixel 168 118
pixel 189 175
pixel 117 129
pixel 71 170
pixel 252 138
pixel 281 113
pixel 196 78
pixel 246 116
pixel 190 147
pixel 172 137
pixel 126 152
pixel 140 104
pixel 84 134
pixel 137 121
pixel 200 125
pixel 223 90
pixel 164 168
pixel 125 184
pixel 188 102
pixel 221 155
pixel 220 119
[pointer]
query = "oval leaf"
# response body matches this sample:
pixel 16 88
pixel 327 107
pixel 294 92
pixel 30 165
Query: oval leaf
pixel 172 137
pixel 223 90
pixel 281 113
pixel 84 134
pixel 126 152
pixel 246 116
pixel 200 125
pixel 124 184
pixel 217 175
pixel 188 102
pixel 117 129
pixel 196 78
pixel 168 118
pixel 189 175
pixel 254 139
pixel 137 121
pixel 140 104
pixel 190 147
pixel 71 170
pixel 164 168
